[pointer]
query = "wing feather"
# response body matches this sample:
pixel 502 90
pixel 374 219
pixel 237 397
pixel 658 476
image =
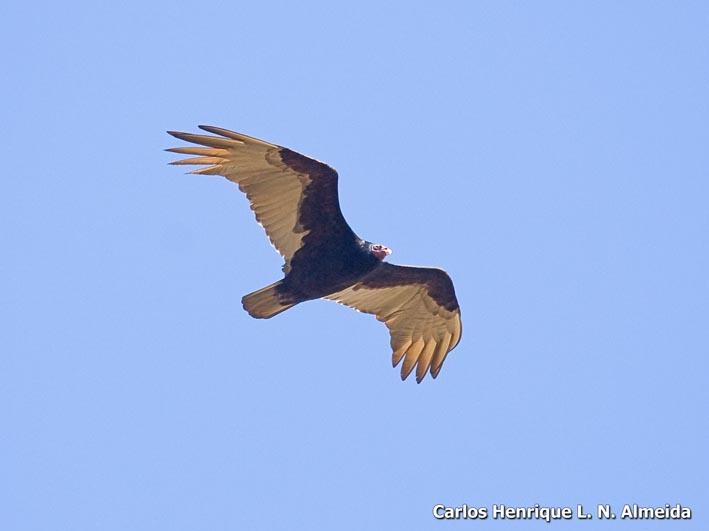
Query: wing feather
pixel 194 150
pixel 198 160
pixel 399 348
pixel 419 307
pixel 206 140
pixel 412 356
pixel 439 356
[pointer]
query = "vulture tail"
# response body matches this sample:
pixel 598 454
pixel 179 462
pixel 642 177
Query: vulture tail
pixel 266 302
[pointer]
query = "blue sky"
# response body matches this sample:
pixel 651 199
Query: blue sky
pixel 551 156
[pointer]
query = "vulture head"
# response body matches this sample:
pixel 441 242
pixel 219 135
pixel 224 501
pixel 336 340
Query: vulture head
pixel 379 251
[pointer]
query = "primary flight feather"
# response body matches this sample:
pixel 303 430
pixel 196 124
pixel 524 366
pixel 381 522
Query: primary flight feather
pixel 295 200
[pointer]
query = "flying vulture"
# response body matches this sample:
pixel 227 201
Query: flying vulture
pixel 295 200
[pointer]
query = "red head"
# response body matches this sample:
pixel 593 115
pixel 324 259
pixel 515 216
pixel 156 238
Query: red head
pixel 379 251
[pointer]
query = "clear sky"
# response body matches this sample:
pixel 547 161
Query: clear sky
pixel 551 156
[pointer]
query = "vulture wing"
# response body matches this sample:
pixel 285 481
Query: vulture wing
pixel 293 196
pixel 419 307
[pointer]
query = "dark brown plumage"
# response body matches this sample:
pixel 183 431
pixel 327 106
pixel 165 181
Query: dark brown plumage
pixel 296 201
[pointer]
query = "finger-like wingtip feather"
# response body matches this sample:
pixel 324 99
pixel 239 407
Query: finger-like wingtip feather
pixel 233 135
pixel 198 160
pixel 206 140
pixel 221 132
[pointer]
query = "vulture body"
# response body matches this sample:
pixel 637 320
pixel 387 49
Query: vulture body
pixel 295 200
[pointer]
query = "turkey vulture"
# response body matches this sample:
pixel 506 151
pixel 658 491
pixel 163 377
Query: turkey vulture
pixel 295 200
